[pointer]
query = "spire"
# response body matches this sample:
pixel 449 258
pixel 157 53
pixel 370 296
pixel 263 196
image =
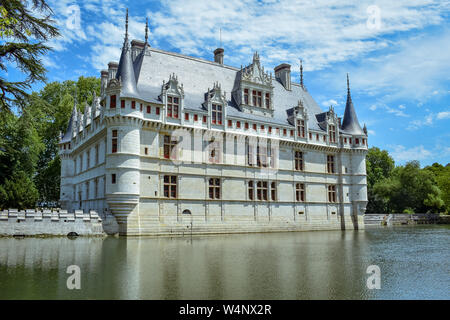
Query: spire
pixel 125 70
pixel 350 123
pixel 146 31
pixel 301 73
pixel 126 29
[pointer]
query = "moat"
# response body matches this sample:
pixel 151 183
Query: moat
pixel 414 264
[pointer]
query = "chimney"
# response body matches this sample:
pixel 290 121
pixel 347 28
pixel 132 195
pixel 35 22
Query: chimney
pixel 112 70
pixel 283 74
pixel 218 55
pixel 103 81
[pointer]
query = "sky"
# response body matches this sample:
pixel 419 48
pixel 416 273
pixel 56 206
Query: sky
pixel 397 54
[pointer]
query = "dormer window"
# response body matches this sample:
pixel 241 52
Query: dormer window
pixel 246 96
pixel 173 104
pixel 301 128
pixel 216 114
pixel 172 94
pixel 332 133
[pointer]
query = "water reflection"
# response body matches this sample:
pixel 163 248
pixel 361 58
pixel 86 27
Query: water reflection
pixel 301 265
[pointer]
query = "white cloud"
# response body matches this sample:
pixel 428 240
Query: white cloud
pixel 400 153
pixel 330 102
pixel 320 32
pixel 443 115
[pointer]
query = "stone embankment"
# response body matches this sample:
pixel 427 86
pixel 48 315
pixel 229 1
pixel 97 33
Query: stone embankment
pixel 404 219
pixel 55 223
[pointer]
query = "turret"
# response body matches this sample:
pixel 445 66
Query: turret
pixel 350 123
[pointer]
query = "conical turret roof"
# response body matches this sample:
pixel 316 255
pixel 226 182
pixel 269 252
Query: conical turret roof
pixel 68 135
pixel 125 70
pixel 350 124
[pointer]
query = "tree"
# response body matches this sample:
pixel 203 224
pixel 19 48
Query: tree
pixel 410 188
pixel 379 166
pixel 18 192
pixel 29 26
pixel 442 176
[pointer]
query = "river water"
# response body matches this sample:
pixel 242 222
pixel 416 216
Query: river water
pixel 414 264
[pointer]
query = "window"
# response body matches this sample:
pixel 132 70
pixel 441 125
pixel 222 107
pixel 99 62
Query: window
pixel 214 152
pixel 350 140
pixel 284 132
pixel 246 96
pixel 300 192
pixel 332 133
pixel 273 191
pixel 261 156
pixel 95 188
pixel 195 117
pixel 214 188
pixel 249 152
pixel 114 141
pixel 146 151
pixel 140 107
pixel 317 136
pixel 356 141
pixel 363 141
pixel 301 128
pixel 173 104
pixel 261 190
pixel 122 104
pixel 87 191
pixel 112 102
pixel 204 119
pixel 149 109
pixel 186 116
pixel 251 189
pixel 310 136
pixel 270 129
pixel 96 154
pixel 292 133
pixel 262 127
pixel 259 99
pixel 298 160
pixel 230 123
pixel 254 97
pixel 345 140
pixel 81 163
pixel 113 178
pixel 238 124
pixel 331 193
pixel 216 114
pixel 246 126
pixel 268 100
pixel 169 145
pixel 133 104
pixel 324 138
pixel 157 110
pixel 170 186
pixel 88 160
pixel 330 164
pixel 254 126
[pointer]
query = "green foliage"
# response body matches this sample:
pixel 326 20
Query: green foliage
pixel 18 192
pixel 24 26
pixel 379 166
pixel 409 189
pixel 29 141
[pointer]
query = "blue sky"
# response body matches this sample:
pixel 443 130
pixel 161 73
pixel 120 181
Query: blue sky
pixel 396 52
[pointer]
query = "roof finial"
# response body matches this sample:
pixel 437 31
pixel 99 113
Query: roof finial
pixel 126 27
pixel 348 85
pixel 146 30
pixel 301 73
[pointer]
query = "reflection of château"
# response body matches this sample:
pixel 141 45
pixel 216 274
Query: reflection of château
pixel 251 152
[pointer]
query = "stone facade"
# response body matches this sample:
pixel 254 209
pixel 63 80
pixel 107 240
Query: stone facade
pixel 177 144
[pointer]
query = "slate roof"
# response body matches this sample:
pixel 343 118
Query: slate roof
pixel 197 75
pixel 350 123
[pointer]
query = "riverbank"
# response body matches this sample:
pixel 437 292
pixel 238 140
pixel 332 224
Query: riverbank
pixel 405 219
